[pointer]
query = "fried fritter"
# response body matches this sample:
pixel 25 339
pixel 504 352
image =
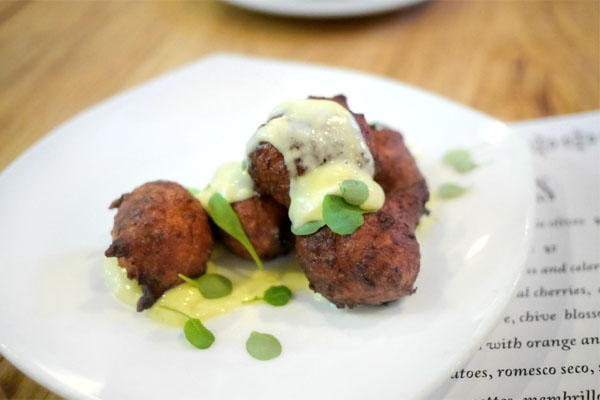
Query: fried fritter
pixel 396 167
pixel 267 166
pixel 398 174
pixel 376 264
pixel 160 230
pixel 267 226
pixel 379 262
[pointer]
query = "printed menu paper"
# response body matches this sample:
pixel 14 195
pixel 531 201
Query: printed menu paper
pixel 547 343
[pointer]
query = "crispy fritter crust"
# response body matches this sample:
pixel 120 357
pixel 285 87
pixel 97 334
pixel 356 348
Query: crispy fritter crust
pixel 379 262
pixel 267 226
pixel 267 166
pixel 268 170
pixel 398 174
pixel 397 168
pixel 376 264
pixel 160 230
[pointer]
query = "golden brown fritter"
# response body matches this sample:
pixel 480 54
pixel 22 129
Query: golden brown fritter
pixel 267 226
pixel 398 174
pixel 160 230
pixel 396 167
pixel 379 262
pixel 267 166
pixel 376 264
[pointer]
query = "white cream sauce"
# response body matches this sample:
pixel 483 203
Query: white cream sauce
pixel 328 141
pixel 230 180
pixel 248 283
pixel 307 191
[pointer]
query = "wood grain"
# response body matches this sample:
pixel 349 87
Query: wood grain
pixel 511 59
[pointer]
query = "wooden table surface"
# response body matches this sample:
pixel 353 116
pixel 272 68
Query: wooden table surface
pixel 511 59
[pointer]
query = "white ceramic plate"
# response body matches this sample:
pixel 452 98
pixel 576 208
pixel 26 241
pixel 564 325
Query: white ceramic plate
pixel 323 8
pixel 60 324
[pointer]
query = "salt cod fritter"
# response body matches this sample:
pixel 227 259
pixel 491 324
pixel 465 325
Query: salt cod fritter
pixel 160 230
pixel 379 262
pixel 267 226
pixel 267 166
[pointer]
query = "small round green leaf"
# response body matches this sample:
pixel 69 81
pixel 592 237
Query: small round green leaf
pixel 197 334
pixel 278 295
pixel 460 160
pixel 308 228
pixel 213 286
pixel 341 217
pixel 263 346
pixel 354 192
pixel 194 331
pixel 451 191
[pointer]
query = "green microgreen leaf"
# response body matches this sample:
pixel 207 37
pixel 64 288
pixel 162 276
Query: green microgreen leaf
pixel 341 217
pixel 194 191
pixel 212 286
pixel 460 160
pixel 223 215
pixel 308 228
pixel 354 192
pixel 197 334
pixel 451 191
pixel 278 295
pixel 263 346
pixel 244 165
pixel 194 331
pixel 274 295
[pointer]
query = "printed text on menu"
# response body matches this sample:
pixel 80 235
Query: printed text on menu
pixel 547 344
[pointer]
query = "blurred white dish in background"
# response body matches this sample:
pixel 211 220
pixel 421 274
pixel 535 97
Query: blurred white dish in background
pixel 323 8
